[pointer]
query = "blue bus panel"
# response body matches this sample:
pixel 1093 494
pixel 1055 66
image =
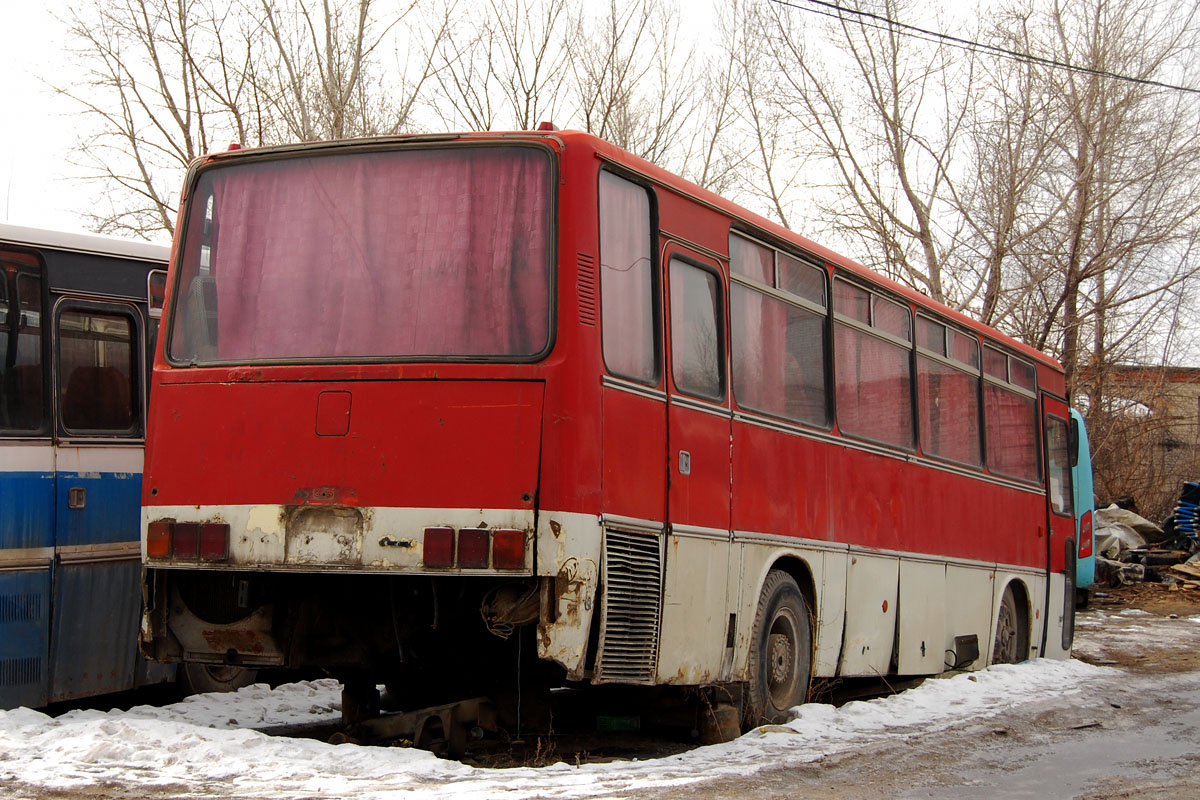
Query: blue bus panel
pixel 93 649
pixel 26 510
pixel 24 637
pixel 1084 497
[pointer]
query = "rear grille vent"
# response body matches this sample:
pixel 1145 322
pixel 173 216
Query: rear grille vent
pixel 20 671
pixel 20 608
pixel 631 609
pixel 587 289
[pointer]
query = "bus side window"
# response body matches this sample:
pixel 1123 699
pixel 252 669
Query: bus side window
pixel 948 377
pixel 872 360
pixel 627 302
pixel 697 351
pixel 97 361
pixel 1010 417
pixel 778 337
pixel 21 405
pixel 1058 451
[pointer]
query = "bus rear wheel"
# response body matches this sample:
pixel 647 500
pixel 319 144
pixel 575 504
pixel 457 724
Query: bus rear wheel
pixel 1010 633
pixel 203 678
pixel 780 652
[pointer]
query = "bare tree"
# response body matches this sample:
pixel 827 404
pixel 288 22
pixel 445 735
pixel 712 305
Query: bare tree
pixel 168 80
pixel 885 112
pixel 1118 166
pixel 143 84
pixel 502 65
pixel 633 85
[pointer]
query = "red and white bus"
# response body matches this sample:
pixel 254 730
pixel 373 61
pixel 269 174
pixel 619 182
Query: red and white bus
pixel 426 406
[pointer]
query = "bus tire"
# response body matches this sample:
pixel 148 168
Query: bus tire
pixel 1009 632
pixel 198 678
pixel 780 653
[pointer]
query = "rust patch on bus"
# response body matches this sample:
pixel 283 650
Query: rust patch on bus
pixel 222 640
pixel 324 535
pixel 326 495
pixel 568 588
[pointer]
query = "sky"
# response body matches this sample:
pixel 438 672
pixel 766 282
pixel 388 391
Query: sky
pixel 38 129
pixel 39 187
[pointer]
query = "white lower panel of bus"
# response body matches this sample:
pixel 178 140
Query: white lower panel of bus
pixel 319 537
pixel 884 613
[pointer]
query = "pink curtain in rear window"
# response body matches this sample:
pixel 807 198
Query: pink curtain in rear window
pixel 383 254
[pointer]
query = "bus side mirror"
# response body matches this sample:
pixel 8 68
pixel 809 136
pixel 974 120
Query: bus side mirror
pixel 1073 442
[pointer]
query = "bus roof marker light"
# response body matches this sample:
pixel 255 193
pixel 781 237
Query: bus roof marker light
pixel 438 547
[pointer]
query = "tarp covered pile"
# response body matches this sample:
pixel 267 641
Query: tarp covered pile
pixel 1131 549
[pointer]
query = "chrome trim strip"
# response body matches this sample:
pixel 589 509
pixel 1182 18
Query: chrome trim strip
pixel 86 553
pixel 18 558
pixel 632 523
pixel 632 388
pixel 798 543
pixel 776 539
pixel 781 426
pixel 698 532
pixel 696 405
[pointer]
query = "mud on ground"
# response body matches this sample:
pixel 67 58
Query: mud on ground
pixel 1124 613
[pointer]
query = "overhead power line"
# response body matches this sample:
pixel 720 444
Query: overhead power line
pixel 836 11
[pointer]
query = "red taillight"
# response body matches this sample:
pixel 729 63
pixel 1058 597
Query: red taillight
pixel 214 541
pixel 438 549
pixel 185 540
pixel 158 539
pixel 473 548
pixel 1085 535
pixel 508 549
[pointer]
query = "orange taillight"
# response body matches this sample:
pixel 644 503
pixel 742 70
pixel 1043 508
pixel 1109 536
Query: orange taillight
pixel 158 539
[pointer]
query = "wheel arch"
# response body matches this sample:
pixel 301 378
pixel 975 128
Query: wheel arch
pixel 1024 600
pixel 805 569
pixel 802 574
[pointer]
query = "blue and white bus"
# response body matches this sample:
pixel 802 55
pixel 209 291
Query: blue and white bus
pixel 76 334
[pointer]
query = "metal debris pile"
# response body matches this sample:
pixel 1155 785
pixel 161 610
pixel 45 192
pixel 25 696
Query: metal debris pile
pixel 1131 549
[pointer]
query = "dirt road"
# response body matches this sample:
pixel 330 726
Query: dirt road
pixel 1135 732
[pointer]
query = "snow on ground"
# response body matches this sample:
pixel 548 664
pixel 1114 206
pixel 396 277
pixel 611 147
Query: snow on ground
pixel 207 745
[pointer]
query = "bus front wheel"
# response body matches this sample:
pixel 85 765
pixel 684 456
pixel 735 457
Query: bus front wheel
pixel 780 652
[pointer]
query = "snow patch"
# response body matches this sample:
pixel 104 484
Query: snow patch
pixel 206 743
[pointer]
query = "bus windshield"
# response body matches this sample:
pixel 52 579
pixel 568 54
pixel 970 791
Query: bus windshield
pixel 439 253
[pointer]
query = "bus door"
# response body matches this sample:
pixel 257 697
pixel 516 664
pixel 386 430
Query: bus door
pixel 633 435
pixel 99 356
pixel 1081 483
pixel 1059 629
pixel 699 431
pixel 26 485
